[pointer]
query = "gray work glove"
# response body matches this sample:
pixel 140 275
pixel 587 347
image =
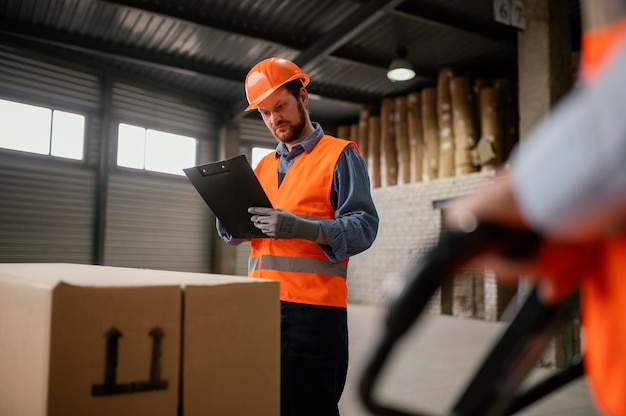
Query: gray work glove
pixel 278 223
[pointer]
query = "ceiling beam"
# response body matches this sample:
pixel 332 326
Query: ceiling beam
pixel 126 53
pixel 368 11
pixel 345 31
pixel 453 21
pixel 177 10
pixel 37 38
pixel 83 62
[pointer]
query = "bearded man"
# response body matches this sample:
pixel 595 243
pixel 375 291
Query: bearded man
pixel 325 214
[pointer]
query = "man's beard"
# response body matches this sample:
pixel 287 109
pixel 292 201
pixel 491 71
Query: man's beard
pixel 294 131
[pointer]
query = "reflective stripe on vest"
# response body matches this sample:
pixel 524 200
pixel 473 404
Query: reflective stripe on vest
pixel 301 284
pixel 298 265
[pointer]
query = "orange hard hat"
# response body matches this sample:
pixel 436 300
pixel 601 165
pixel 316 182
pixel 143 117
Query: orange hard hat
pixel 267 76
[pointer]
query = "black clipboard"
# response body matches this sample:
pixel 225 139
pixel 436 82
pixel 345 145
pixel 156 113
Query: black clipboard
pixel 230 187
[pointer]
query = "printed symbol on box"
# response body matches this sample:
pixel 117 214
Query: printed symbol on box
pixel 110 386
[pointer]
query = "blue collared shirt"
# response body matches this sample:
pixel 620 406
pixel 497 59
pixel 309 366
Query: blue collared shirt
pixel 355 225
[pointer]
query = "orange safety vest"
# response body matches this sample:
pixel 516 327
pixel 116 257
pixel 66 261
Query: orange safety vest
pixel 603 311
pixel 603 290
pixel 599 269
pixel 599 47
pixel 305 274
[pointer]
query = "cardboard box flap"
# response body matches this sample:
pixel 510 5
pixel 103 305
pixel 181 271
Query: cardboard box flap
pixel 49 275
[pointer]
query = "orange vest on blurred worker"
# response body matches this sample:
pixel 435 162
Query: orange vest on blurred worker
pixel 603 306
pixel 603 290
pixel 599 269
pixel 305 273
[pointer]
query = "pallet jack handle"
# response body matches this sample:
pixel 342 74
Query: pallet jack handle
pixel 494 389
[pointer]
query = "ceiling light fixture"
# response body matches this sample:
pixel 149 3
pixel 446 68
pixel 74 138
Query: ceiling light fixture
pixel 400 68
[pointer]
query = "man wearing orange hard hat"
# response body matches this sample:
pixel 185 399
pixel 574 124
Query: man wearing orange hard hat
pixel 325 214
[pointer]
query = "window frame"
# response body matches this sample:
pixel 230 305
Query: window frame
pixel 162 128
pixel 52 108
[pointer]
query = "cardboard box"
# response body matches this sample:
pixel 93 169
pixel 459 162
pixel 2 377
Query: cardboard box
pixel 96 340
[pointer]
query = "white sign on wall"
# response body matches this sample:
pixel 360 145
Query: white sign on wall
pixel 510 12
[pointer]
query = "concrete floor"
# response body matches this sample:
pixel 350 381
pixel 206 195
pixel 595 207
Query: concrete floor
pixel 434 362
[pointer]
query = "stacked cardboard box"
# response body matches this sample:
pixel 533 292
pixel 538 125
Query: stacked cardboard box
pixel 96 340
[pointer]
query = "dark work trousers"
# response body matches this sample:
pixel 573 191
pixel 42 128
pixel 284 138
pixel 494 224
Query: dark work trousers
pixel 314 359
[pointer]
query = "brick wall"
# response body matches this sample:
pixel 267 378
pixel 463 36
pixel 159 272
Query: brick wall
pixel 410 223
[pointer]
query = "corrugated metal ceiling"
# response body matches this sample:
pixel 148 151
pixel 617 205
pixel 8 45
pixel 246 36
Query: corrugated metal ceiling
pixel 204 48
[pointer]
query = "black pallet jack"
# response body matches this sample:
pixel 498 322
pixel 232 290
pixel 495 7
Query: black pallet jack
pixel 495 388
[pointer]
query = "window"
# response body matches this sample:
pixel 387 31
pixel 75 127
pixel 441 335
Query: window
pixel 33 129
pixel 258 153
pixel 154 150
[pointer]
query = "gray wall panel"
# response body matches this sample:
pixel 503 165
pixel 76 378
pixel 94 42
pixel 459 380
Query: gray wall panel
pixel 46 203
pixel 255 132
pixel 155 220
pixel 136 104
pixel 48 209
pixel 46 83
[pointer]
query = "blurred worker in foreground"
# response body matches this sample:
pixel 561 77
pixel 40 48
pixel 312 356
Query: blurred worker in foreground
pixel 568 183
pixel 325 214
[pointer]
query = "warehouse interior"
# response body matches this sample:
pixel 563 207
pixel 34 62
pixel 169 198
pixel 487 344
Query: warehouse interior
pixel 179 67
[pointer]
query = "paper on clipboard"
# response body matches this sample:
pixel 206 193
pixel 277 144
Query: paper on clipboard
pixel 230 187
